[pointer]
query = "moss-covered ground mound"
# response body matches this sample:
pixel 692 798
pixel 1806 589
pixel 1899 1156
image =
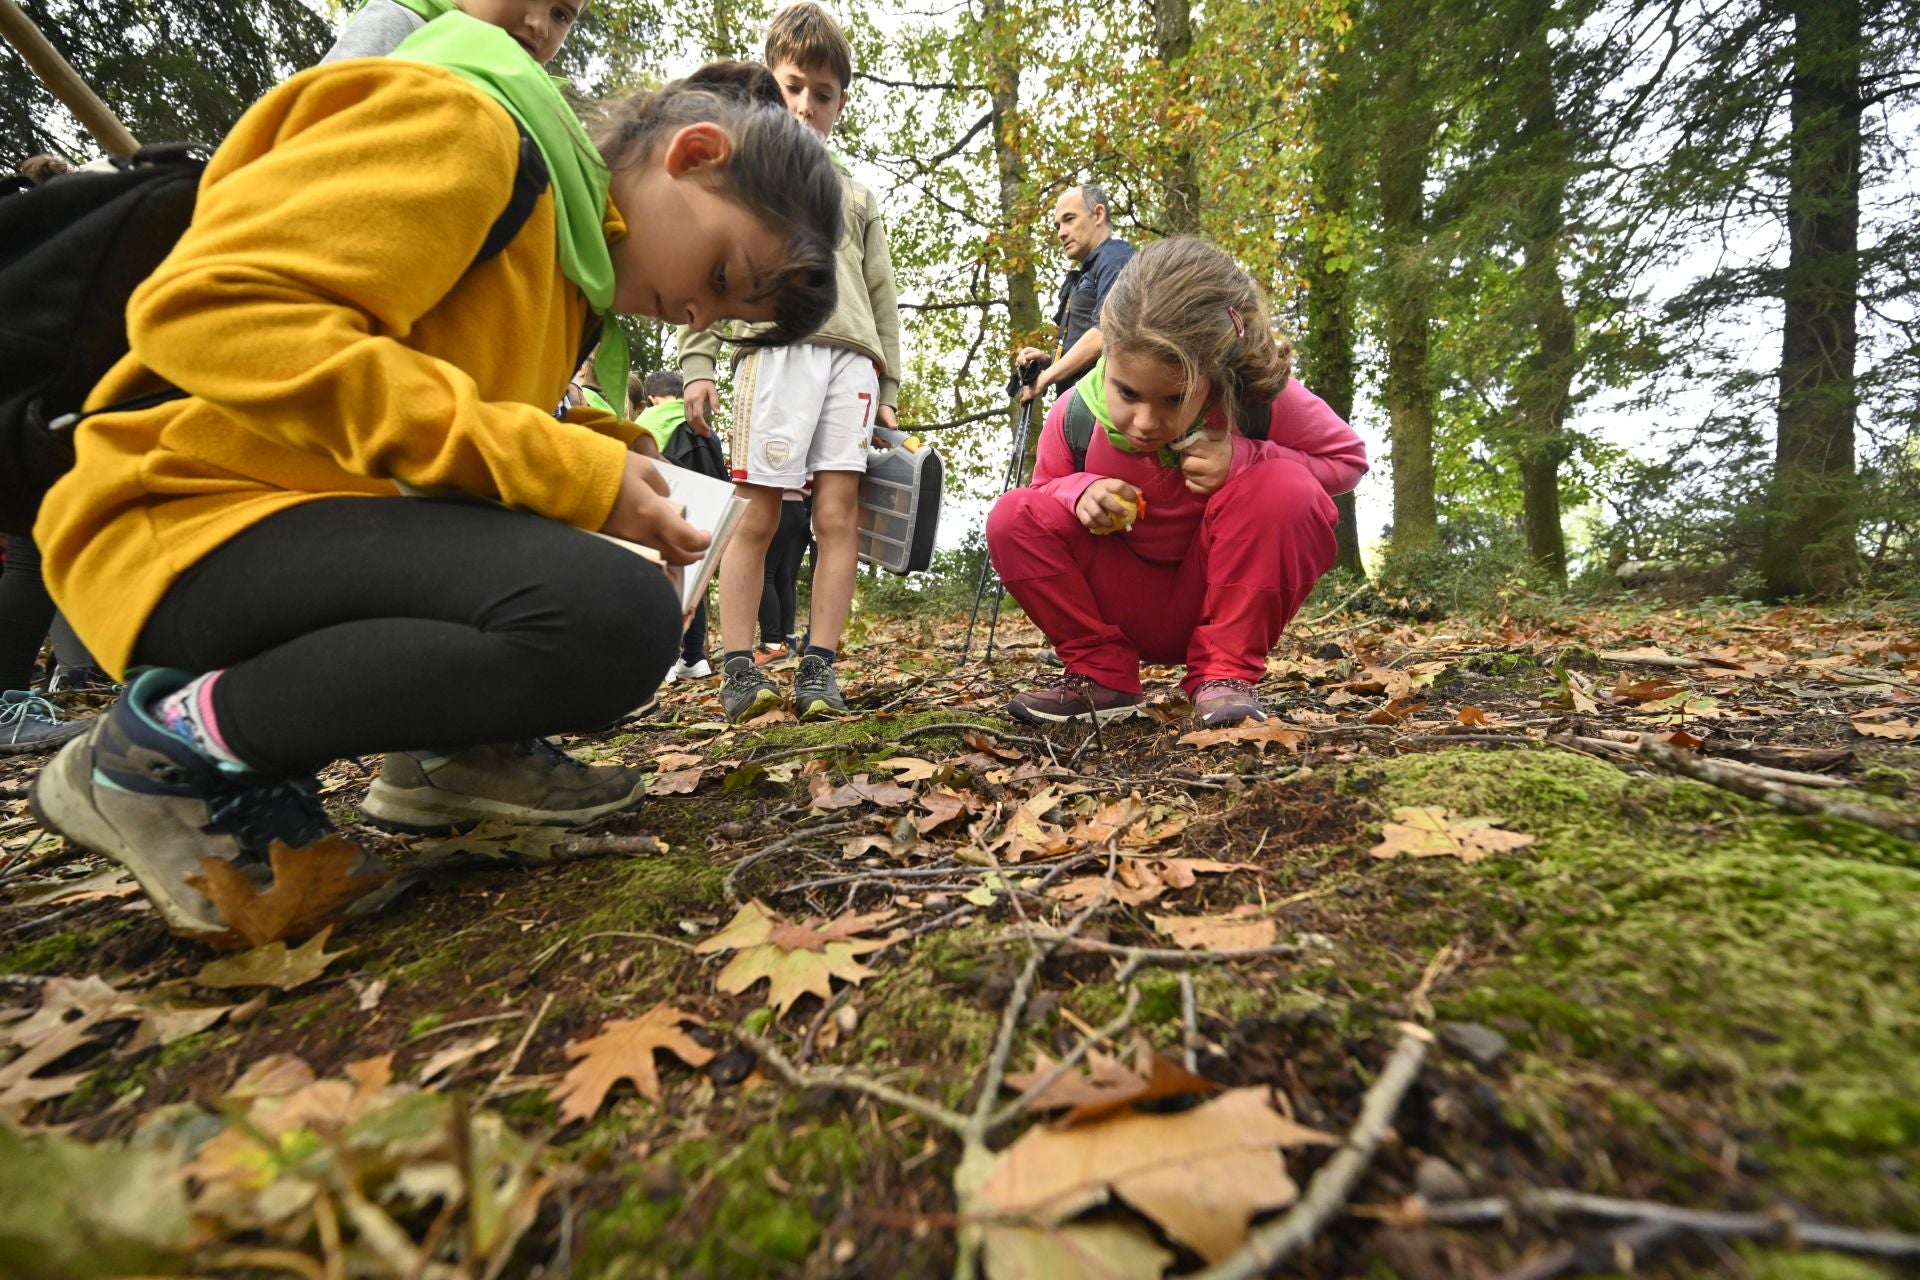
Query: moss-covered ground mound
pixel 1674 993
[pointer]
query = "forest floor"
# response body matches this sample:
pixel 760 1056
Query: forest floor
pixel 796 1017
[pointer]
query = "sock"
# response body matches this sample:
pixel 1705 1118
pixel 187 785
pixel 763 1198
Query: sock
pixel 793 644
pixel 737 655
pixel 815 651
pixel 187 713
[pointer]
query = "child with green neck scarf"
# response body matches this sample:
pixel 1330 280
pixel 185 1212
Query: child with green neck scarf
pixel 338 332
pixel 1178 539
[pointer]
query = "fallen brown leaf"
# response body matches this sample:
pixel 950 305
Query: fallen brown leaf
pixel 1200 1174
pixel 1140 880
pixel 311 886
pixel 1472 717
pixel 273 965
pixel 823 795
pixel 1238 930
pixel 1107 1084
pixel 1435 831
pixel 676 782
pixel 943 805
pixel 908 768
pixel 624 1050
pixel 1258 732
pixel 790 972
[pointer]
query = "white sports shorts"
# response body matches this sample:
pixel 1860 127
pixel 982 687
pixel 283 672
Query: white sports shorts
pixel 801 409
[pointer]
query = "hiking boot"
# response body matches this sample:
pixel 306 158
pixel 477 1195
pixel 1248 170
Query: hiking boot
pixel 29 723
pixel 1073 697
pixel 1219 703
pixel 145 798
pixel 746 693
pixel 531 781
pixel 699 669
pixel 816 694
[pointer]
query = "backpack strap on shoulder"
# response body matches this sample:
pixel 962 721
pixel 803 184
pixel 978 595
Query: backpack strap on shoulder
pixel 530 181
pixel 1256 419
pixel 1079 428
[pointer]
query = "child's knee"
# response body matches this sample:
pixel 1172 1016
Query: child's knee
pixel 1022 513
pixel 623 633
pixel 1282 489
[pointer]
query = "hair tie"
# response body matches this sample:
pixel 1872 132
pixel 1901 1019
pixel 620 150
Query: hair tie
pixel 1239 326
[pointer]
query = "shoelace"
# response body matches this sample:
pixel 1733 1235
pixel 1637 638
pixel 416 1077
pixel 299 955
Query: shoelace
pixel 255 816
pixel 747 677
pixel 547 752
pixel 813 677
pixel 1234 686
pixel 20 710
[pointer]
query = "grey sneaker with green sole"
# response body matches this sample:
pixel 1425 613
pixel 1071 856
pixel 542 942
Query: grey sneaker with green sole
pixel 816 693
pixel 135 792
pixel 745 692
pixel 532 782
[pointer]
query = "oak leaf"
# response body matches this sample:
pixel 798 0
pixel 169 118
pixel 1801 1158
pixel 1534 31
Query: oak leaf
pixel 624 1050
pixel 274 965
pixel 1435 831
pixel 991 745
pixel 1239 930
pixel 943 805
pixel 816 954
pixel 513 842
pixel 1258 732
pixel 311 886
pixel 1141 880
pixel 908 768
pixel 1107 1084
pixel 822 794
pixel 676 782
pixel 1200 1174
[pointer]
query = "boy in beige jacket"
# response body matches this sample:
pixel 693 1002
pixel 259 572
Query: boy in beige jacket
pixel 803 414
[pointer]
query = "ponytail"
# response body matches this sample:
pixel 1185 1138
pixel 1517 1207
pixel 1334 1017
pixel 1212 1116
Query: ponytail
pixel 1187 304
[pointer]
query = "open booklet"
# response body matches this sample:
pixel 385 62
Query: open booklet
pixel 710 506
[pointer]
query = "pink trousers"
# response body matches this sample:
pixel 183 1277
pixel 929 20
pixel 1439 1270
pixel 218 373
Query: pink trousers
pixel 1264 540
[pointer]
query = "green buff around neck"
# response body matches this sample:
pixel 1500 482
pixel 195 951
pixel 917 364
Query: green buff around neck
pixel 1092 390
pixel 488 58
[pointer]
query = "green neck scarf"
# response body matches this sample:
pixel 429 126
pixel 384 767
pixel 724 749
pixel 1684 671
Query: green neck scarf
pixel 1092 390
pixel 487 57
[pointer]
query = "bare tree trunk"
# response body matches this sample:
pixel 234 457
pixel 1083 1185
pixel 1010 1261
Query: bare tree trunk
pixel 64 82
pixel 1172 40
pixel 1010 162
pixel 1406 135
pixel 1543 383
pixel 1327 345
pixel 1813 521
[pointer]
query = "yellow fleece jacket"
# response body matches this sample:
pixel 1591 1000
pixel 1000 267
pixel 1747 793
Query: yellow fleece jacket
pixel 322 317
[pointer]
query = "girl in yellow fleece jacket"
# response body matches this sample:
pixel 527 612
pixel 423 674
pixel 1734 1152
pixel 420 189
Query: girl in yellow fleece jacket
pixel 249 544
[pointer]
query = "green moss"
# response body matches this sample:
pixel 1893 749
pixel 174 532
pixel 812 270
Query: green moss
pixel 1674 936
pixel 917 1012
pixel 424 1023
pixel 650 894
pixel 1773 1264
pixel 701 1209
pixel 58 951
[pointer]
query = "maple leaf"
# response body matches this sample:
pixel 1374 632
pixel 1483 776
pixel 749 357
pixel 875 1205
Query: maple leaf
pixel 624 1051
pixel 311 886
pixel 1107 1084
pixel 1109 820
pixel 1026 836
pixel 274 965
pixel 816 955
pixel 1200 1174
pixel 1257 732
pixel 1240 929
pixel 1435 831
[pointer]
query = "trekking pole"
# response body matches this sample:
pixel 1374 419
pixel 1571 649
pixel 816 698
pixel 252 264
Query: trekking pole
pixel 1015 477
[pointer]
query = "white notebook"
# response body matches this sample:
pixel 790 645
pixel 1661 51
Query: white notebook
pixel 708 505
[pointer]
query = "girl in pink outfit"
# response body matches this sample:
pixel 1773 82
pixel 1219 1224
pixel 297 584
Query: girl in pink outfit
pixel 1232 533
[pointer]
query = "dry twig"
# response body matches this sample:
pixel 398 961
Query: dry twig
pixel 1778 795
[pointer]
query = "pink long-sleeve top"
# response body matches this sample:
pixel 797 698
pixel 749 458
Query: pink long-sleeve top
pixel 1302 429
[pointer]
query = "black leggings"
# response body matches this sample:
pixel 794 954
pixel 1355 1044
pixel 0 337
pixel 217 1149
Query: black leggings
pixel 779 595
pixel 349 626
pixel 26 611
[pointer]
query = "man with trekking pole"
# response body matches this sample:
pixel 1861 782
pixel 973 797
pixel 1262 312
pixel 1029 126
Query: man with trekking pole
pixel 1085 227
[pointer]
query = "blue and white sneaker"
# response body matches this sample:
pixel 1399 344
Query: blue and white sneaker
pixel 29 723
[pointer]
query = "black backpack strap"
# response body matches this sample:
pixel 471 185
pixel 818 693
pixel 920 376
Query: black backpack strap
pixel 530 182
pixel 1079 428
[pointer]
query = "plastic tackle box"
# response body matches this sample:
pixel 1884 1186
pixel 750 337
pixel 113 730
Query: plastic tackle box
pixel 900 502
